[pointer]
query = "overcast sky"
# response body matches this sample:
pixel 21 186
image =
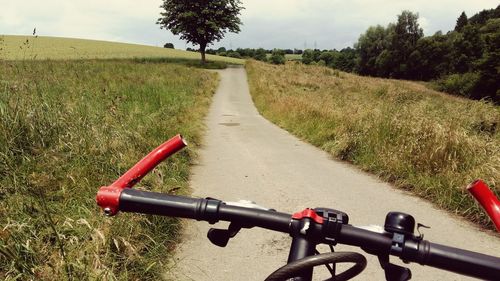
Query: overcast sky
pixel 325 24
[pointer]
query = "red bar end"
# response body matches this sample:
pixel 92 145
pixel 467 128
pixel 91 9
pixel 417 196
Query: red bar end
pixel 108 198
pixel 487 199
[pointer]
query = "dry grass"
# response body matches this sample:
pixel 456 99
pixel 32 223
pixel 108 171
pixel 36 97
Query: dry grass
pixel 425 141
pixel 69 127
pixel 56 48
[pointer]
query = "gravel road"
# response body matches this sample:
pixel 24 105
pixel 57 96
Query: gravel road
pixel 244 156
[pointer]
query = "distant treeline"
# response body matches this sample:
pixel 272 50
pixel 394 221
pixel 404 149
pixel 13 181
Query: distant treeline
pixel 464 61
pixel 344 59
pixel 258 54
pixel 275 56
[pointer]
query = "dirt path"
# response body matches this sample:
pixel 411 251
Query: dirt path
pixel 246 157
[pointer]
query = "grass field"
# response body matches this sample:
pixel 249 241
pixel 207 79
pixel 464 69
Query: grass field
pixel 69 127
pixel 424 141
pixel 289 57
pixel 55 48
pixel 293 57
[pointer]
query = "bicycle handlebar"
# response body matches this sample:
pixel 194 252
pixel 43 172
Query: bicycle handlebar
pixel 411 248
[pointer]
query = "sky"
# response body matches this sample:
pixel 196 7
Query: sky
pixel 286 24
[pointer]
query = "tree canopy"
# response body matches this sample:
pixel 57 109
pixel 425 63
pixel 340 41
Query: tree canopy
pixel 464 61
pixel 461 22
pixel 201 22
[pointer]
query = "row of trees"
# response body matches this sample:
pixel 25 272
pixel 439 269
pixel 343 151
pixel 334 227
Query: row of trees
pixel 249 52
pixel 258 54
pixel 464 61
pixel 344 59
pixel 275 56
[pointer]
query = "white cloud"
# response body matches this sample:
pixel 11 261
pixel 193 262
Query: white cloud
pixel 425 25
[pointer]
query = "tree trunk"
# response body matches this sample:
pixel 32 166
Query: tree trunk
pixel 203 46
pixel 203 60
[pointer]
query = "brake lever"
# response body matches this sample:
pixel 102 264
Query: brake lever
pixel 394 272
pixel 220 237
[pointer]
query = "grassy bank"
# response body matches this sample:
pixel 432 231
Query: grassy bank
pixel 69 127
pixel 424 141
pixel 56 48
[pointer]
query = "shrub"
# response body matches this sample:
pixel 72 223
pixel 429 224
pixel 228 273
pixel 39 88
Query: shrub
pixel 458 84
pixel 234 54
pixel 260 54
pixel 168 45
pixel 307 57
pixel 277 57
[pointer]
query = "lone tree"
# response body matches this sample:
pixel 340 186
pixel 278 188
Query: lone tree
pixel 201 22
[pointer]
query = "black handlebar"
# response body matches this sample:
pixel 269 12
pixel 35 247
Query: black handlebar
pixel 413 250
pixel 462 261
pixel 136 201
pixel 211 210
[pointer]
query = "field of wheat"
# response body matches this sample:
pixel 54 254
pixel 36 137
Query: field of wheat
pixel 56 48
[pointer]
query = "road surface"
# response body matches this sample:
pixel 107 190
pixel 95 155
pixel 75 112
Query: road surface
pixel 244 156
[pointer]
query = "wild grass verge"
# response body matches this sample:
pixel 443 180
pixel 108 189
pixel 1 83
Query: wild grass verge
pixel 69 127
pixel 424 141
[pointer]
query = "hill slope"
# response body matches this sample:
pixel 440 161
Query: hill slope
pixel 425 141
pixel 41 47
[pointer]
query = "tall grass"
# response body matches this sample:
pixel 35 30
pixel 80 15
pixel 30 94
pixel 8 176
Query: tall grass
pixel 424 141
pixel 67 128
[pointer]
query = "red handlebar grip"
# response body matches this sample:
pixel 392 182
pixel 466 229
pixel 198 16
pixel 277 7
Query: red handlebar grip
pixel 487 199
pixel 108 197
